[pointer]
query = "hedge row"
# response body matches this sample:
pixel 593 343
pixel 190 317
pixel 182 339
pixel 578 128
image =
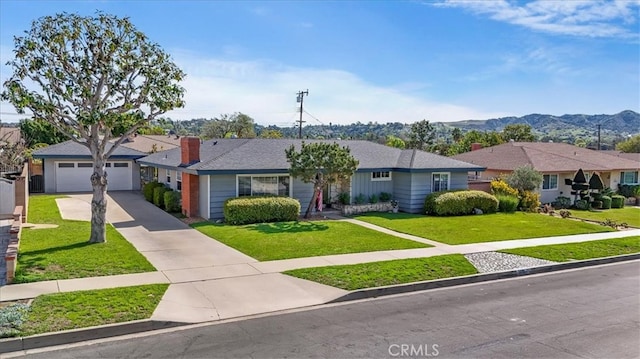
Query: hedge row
pixel 459 203
pixel 247 210
pixel 162 196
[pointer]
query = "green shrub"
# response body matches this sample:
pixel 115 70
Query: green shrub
pixel 430 200
pixel 158 196
pixel 344 198
pixel 606 202
pixel 360 199
pixel 507 204
pixel 529 201
pixel 461 203
pixel 373 198
pixel 583 204
pixel 596 204
pixel 628 190
pixel 617 201
pixel 499 186
pixel 247 210
pixel 147 190
pixel 385 197
pixel 562 202
pixel 172 201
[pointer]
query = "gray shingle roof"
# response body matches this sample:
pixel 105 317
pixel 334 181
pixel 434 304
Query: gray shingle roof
pixel 269 154
pixel 71 149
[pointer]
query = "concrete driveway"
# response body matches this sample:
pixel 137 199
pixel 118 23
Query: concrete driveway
pixel 210 280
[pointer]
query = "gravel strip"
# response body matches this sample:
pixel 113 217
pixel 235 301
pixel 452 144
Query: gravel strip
pixel 487 262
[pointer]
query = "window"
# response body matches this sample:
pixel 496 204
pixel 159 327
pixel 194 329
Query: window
pixel 381 176
pixel 549 182
pixel 66 165
pixel 168 176
pixel 108 165
pixel 440 182
pixel 178 181
pixel 85 165
pixel 120 164
pixel 264 185
pixel 629 177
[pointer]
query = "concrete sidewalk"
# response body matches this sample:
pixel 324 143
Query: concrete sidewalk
pixel 211 281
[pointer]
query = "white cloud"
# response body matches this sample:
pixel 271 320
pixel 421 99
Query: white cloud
pixel 267 92
pixel 578 18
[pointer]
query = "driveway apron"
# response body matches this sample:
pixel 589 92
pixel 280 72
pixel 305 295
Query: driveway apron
pixel 209 280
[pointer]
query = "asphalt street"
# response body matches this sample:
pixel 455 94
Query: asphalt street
pixel 586 313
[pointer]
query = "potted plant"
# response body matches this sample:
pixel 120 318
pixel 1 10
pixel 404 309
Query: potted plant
pixel 394 205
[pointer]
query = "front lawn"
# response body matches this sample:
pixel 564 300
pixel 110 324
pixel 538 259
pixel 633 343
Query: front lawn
pixel 64 252
pixel 284 240
pixel 628 215
pixel 377 274
pixel 481 228
pixel 63 311
pixel 582 250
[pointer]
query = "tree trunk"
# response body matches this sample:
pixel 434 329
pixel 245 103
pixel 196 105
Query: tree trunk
pixel 99 203
pixel 312 202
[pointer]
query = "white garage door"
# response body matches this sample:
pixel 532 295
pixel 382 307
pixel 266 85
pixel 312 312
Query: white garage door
pixel 76 176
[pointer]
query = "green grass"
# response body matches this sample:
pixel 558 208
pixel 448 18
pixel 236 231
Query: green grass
pixel 63 311
pixel 483 228
pixel 64 252
pixel 582 250
pixel 284 240
pixel 377 274
pixel 628 215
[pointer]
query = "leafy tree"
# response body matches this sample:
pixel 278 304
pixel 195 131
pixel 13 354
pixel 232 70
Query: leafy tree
pixel 36 131
pixel 519 132
pixel 421 134
pixel 456 134
pixel 393 141
pixel 12 153
pixel 268 133
pixel 486 139
pixel 151 130
pixel 632 145
pixel 320 163
pixel 92 74
pixel 228 125
pixel 524 178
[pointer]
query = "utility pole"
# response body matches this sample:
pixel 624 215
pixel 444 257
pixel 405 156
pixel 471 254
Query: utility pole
pixel 300 99
pixel 599 125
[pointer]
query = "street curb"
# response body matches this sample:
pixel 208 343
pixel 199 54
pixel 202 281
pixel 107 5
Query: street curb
pixel 112 330
pixel 477 278
pixel 78 335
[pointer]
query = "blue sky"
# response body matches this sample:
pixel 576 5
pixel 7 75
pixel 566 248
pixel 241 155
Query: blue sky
pixel 381 61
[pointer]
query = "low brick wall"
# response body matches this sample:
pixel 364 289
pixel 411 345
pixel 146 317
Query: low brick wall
pixel 11 254
pixel 351 209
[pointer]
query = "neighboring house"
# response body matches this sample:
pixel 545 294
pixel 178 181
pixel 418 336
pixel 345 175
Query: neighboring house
pixel 68 166
pixel 556 161
pixel 209 173
pixel 151 143
pixel 10 135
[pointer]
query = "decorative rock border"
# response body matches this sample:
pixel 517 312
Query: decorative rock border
pixel 350 209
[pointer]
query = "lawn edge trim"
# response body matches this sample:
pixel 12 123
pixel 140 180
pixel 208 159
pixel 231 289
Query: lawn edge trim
pixel 477 278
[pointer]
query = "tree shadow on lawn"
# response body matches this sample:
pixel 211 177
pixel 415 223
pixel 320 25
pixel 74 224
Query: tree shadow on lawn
pixel 288 227
pixel 52 250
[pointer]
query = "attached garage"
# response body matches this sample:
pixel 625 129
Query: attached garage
pixel 72 176
pixel 68 167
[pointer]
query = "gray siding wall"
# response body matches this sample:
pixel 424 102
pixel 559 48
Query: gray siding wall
pixel 361 183
pixel 222 187
pixel 459 180
pixel 402 189
pixel 420 188
pixel 302 192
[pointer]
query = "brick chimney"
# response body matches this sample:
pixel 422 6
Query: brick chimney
pixel 190 151
pixel 189 155
pixel 476 146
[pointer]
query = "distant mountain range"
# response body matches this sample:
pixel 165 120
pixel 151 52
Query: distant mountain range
pixel 625 122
